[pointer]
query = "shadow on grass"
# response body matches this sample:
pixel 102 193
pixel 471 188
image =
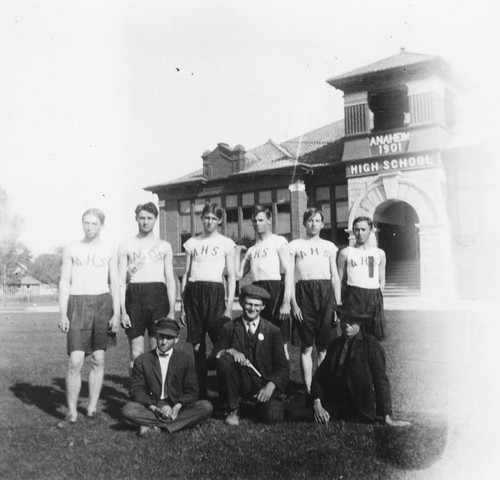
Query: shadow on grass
pixel 51 399
pixel 415 447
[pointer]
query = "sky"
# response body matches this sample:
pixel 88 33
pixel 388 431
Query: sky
pixel 100 99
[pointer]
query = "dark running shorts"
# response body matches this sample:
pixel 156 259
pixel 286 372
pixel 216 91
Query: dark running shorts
pixel 371 302
pixel 89 316
pixel 271 311
pixel 316 300
pixel 204 304
pixel 145 303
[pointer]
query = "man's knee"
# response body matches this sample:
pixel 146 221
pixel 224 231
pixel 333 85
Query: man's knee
pixel 97 359
pixel 129 411
pixel 205 407
pixel 136 347
pixel 225 363
pixel 75 362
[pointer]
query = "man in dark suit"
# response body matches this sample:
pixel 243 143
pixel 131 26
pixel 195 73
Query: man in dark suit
pixel 163 387
pixel 351 382
pixel 250 360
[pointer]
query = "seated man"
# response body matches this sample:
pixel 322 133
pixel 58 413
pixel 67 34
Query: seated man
pixel 251 361
pixel 351 382
pixel 163 387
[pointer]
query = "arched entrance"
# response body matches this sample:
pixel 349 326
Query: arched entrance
pixel 398 236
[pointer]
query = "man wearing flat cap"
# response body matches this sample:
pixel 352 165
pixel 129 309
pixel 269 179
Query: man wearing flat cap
pixel 251 362
pixel 351 383
pixel 163 387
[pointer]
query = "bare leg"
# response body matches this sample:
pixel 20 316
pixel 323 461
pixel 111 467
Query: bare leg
pixel 306 365
pixel 136 349
pixel 321 356
pixel 74 382
pixel 287 355
pixel 96 378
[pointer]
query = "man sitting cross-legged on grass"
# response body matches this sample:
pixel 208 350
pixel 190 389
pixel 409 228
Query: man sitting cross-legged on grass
pixel 251 360
pixel 163 387
pixel 351 382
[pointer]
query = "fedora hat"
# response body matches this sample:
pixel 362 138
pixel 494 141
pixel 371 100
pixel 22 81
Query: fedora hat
pixel 351 311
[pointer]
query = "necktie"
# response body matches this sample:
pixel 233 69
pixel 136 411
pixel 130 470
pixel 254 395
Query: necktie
pixel 251 328
pixel 343 355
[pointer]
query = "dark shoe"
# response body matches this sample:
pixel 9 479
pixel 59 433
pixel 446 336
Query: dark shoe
pixel 149 431
pixel 69 420
pixel 233 419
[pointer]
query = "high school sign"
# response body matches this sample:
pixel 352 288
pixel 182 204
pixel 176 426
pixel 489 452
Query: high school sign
pixel 362 168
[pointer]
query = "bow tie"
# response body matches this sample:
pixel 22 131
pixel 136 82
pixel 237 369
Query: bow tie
pixel 164 355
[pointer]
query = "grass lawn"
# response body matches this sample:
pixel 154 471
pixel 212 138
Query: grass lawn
pixel 439 365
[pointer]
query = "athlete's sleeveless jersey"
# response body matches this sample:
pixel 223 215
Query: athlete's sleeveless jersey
pixel 90 268
pixel 312 258
pixel 363 267
pixel 264 258
pixel 146 263
pixel 208 257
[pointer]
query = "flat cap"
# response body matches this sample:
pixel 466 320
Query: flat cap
pixel 255 292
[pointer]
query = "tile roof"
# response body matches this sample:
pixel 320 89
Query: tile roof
pixel 303 151
pixel 402 59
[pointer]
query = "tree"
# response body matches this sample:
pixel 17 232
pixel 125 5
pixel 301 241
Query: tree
pixel 46 267
pixel 15 258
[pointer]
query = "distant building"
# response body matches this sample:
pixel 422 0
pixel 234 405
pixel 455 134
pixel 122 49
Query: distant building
pixel 23 286
pixel 394 157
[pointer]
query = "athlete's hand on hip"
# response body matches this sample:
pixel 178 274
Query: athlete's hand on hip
pixel 125 320
pixel 64 324
pixel 182 317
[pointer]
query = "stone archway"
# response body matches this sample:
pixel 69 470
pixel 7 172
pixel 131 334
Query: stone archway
pixel 425 197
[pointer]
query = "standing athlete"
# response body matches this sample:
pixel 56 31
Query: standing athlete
pixel 89 312
pixel 150 294
pixel 266 260
pixel 204 308
pixel 362 269
pixel 316 292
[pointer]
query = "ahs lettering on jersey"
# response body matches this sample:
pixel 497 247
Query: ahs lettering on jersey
pixel 90 268
pixel 208 257
pixel 147 264
pixel 264 258
pixel 312 258
pixel 363 267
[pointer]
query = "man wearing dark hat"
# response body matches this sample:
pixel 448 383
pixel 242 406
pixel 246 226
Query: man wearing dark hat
pixel 251 361
pixel 351 383
pixel 163 387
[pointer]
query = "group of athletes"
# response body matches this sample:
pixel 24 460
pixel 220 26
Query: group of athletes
pixel 304 280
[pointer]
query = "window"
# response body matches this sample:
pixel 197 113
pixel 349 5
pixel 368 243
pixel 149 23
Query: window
pixel 185 216
pixel 232 223
pixel 231 201
pixel 265 197
pixel 282 195
pixel 283 222
pixel 199 205
pixel 247 230
pixel 390 109
pixel 248 199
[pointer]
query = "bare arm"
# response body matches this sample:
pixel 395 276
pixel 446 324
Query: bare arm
pixel 122 283
pixel 284 255
pixel 183 286
pixel 242 266
pixel 381 269
pixel 341 267
pixel 231 283
pixel 335 280
pixel 296 311
pixel 64 284
pixel 169 279
pixel 114 286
